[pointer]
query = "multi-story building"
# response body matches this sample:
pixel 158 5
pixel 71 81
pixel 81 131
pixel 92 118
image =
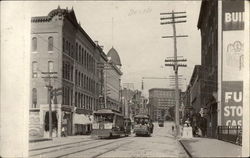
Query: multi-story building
pixel 208 25
pixel 160 101
pixel 136 103
pixel 62 49
pixel 112 79
pixel 127 96
pixel 194 98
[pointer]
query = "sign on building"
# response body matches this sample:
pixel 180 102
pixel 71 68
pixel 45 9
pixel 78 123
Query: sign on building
pixel 232 62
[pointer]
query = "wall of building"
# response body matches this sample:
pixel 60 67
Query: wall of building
pixel 161 100
pixel 75 57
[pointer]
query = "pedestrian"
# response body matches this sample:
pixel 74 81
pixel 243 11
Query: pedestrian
pixel 172 128
pixel 63 132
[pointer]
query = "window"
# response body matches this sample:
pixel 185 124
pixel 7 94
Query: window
pixel 50 66
pixel 67 45
pixel 63 44
pixel 34 69
pixel 76 52
pixel 34 44
pixel 85 59
pixel 63 70
pixel 76 99
pixel 79 78
pixel 50 44
pixel 71 72
pixel 78 59
pixel 69 48
pixel 34 98
pixel 82 56
pixel 76 77
pixel 72 51
pixel 84 82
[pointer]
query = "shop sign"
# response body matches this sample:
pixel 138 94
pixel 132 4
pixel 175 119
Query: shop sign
pixel 232 99
pixel 232 60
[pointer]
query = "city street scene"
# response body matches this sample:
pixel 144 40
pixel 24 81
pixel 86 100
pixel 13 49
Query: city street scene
pixel 138 78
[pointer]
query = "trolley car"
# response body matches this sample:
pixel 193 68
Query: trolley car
pixel 143 125
pixel 108 123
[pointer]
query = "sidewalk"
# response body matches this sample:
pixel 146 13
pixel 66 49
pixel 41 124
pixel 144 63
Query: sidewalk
pixel 38 139
pixel 207 147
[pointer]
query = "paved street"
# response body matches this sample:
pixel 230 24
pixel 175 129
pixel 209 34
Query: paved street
pixel 160 144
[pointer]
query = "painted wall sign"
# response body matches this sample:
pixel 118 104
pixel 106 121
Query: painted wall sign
pixel 232 62
pixel 232 15
pixel 232 98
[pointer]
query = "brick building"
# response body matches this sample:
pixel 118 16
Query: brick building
pixel 61 46
pixel 208 25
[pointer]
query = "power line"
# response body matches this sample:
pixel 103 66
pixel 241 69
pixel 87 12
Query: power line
pixel 175 63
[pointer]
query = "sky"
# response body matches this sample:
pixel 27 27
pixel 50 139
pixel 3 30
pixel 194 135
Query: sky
pixel 135 32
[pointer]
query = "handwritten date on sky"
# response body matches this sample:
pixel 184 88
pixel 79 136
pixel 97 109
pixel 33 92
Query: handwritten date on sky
pixel 142 11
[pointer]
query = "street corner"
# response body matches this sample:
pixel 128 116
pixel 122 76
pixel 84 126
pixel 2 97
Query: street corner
pixel 186 144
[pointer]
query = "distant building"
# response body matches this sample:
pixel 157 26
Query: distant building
pixel 208 25
pixel 136 103
pixel 61 46
pixel 160 101
pixel 112 80
pixel 127 96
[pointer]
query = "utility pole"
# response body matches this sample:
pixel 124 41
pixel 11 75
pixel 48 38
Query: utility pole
pixel 104 67
pixel 172 16
pixel 50 95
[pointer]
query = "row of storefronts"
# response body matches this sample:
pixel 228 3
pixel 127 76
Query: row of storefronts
pixel 65 122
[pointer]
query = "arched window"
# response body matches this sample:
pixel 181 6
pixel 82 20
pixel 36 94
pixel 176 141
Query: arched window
pixel 50 44
pixel 34 69
pixel 34 98
pixel 34 44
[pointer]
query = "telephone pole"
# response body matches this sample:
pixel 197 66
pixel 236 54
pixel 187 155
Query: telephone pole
pixel 171 19
pixel 105 67
pixel 48 77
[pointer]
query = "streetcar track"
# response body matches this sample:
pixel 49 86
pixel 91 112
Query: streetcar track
pixel 67 147
pixel 58 145
pixel 88 149
pixel 95 156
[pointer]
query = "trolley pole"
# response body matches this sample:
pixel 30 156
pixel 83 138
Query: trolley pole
pixel 50 95
pixel 175 61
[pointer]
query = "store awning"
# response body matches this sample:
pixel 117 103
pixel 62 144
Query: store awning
pixel 82 119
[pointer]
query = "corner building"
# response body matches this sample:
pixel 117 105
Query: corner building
pixel 62 49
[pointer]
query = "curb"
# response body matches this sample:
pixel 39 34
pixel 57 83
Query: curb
pixel 39 140
pixel 189 154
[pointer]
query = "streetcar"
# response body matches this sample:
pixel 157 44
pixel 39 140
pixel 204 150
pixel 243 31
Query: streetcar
pixel 161 123
pixel 143 126
pixel 108 123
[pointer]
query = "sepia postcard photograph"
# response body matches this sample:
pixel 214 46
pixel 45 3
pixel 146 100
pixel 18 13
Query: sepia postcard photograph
pixel 155 78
